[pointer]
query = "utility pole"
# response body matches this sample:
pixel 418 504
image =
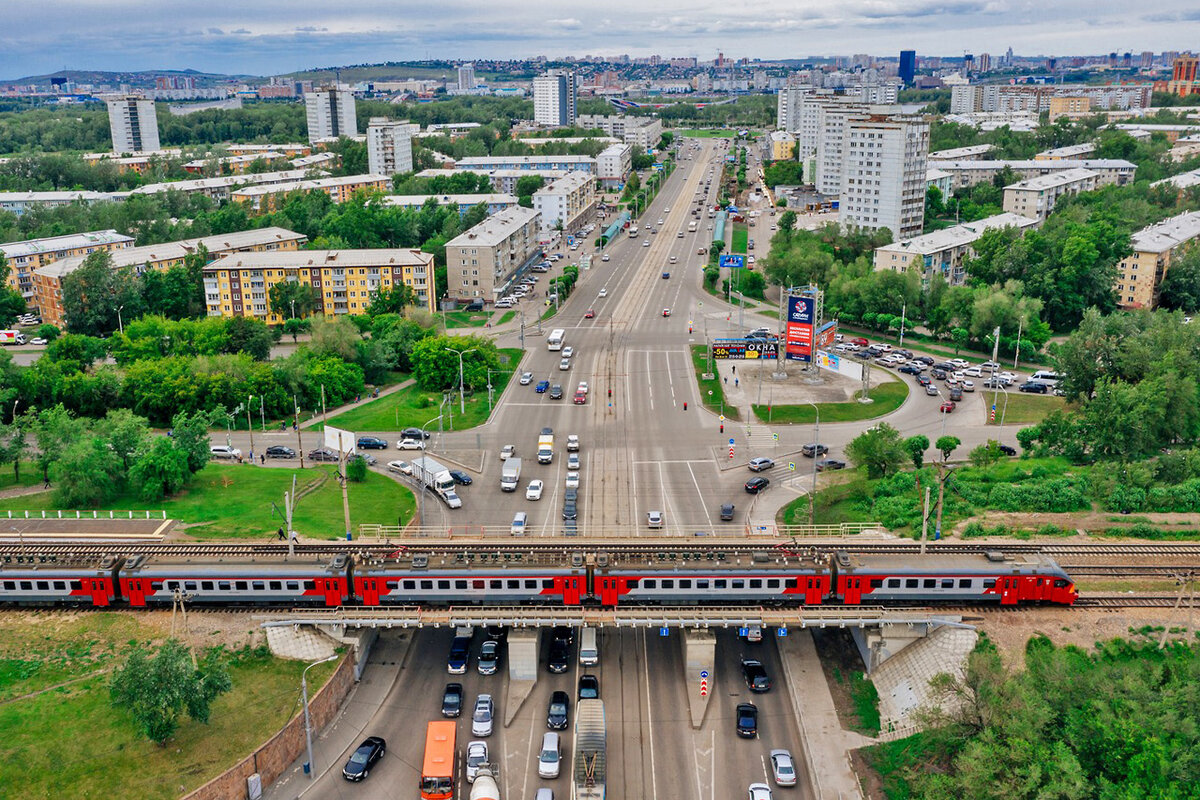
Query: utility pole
pixel 943 474
pixel 812 498
pixel 323 417
pixel 925 519
pixel 289 507
pixel 342 458
pixel 296 425
pixel 250 426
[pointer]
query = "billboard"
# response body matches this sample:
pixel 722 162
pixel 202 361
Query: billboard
pixel 732 261
pixel 825 335
pixel 801 310
pixel 741 349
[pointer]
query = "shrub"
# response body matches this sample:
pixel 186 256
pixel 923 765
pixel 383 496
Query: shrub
pixel 1126 499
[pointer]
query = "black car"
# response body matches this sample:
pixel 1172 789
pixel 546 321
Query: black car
pixel 560 657
pixel 1008 450
pixel 556 392
pixel 371 443
pixel 1035 387
pixel 414 433
pixel 726 512
pixel 756 676
pixel 906 353
pixel 946 366
pixel 452 699
pixel 938 373
pixel 589 687
pixel 460 477
pixel 558 711
pixel 812 450
pixel 571 495
pixel 830 463
pixel 926 360
pixel 322 454
pixel 563 633
pixel 747 720
pixel 923 380
pixel 279 451
pixel 910 369
pixel 570 510
pixel 756 485
pixel 362 759
pixel 956 394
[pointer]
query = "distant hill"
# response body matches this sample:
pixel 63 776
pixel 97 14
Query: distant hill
pixel 390 71
pixel 135 78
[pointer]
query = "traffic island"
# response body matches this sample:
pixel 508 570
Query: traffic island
pixel 522 671
pixel 699 671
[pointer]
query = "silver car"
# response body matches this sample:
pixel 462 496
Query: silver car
pixel 783 768
pixel 481 718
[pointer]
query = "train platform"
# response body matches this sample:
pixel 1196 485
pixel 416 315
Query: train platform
pixel 70 530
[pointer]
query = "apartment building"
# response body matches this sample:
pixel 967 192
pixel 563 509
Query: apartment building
pixel 47 280
pixel 613 164
pixel 263 199
pixel 220 188
pixel 1072 152
pixel 232 165
pixel 331 113
pixel 295 150
pixel 24 257
pixel 563 203
pixel 823 128
pixel 1140 274
pixel 502 180
pixel 563 163
pixel 1108 171
pixel 782 146
pixel 487 259
pixel 495 203
pixel 1182 182
pixel 389 146
pixel 314 162
pixel 974 152
pixel 133 124
pixel 1070 106
pixel 140 163
pixel 554 98
pixel 645 132
pixel 968 98
pixel 20 202
pixel 943 252
pixel 884 175
pixel 239 284
pixel 788 107
pixel 466 77
pixel 1036 197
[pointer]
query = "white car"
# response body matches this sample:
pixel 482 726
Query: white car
pixel 572 480
pixel 582 388
pixel 958 362
pixel 38 340
pixel 526 378
pixel 534 490
pixel 568 351
pixel 507 452
pixel 221 451
pixel 403 467
pixel 410 444
pixel 603 293
pixel 564 364
pixel 760 791
pixel 604 257
pixel 783 768
pixel 968 386
pixel 477 754
pixel 481 717
pixel 573 461
pixel 452 499
pixel 665 211
pixel 646 243
pixel 973 372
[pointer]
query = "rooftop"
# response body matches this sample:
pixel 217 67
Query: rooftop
pixel 201 184
pixel 1184 180
pixel 449 199
pixel 484 161
pixel 1053 180
pixel 495 229
pixel 570 182
pixel 1168 234
pixel 958 235
pixel 1061 164
pixel 377 257
pixel 71 241
pixel 962 152
pixel 52 197
pixel 319 183
pixel 1069 150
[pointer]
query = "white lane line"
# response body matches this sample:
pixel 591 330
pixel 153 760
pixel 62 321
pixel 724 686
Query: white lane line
pixel 766 775
pixel 649 716
pixel 700 495
pixel 649 383
pixel 712 747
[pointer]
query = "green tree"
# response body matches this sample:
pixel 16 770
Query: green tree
pixel 157 688
pixel 294 327
pixel 290 299
pixel 54 429
pixel 12 303
pixel 985 455
pixel 189 435
pixel 392 300
pixel 1181 286
pixel 98 296
pixel 161 470
pixel 87 473
pixel 435 367
pixel 946 445
pixel 879 449
pixel 356 469
pixel 334 337
pixel 126 434
pixel 83 350
pixel 249 336
pixel 14 446
pixel 48 332
pixel 916 446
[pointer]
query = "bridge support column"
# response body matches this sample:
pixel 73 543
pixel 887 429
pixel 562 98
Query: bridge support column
pixel 522 670
pixel 699 673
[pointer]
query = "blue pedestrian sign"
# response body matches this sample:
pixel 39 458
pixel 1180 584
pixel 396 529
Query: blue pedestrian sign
pixel 743 631
pixel 775 436
pixel 782 631
pixel 731 441
pixel 664 631
pixel 732 262
pixel 792 466
pixel 703 673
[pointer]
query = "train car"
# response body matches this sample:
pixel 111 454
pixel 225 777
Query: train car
pixel 714 585
pixel 968 578
pixel 397 583
pixel 155 580
pixel 76 582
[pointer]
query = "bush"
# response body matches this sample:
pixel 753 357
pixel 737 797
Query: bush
pixel 356 469
pixel 1125 499
pixel 1055 495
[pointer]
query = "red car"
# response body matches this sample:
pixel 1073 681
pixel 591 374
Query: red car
pixel 861 342
pixel 580 398
pixel 590 314
pixel 948 406
pixel 666 312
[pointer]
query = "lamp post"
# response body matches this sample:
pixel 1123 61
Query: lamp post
pixel 120 324
pixel 812 498
pixel 250 426
pixel 307 722
pixel 903 315
pixel 462 403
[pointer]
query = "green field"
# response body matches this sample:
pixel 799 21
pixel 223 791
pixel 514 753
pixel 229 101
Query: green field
pixel 227 501
pixel 414 407
pixel 741 235
pixel 712 393
pixel 888 397
pixel 708 133
pixel 467 319
pixel 71 742
pixel 1023 408
pixel 30 475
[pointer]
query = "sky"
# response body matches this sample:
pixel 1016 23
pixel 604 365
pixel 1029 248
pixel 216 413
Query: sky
pixel 264 37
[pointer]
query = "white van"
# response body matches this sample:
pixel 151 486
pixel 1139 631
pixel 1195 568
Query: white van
pixel 518 523
pixel 589 651
pixel 551 756
pixel 1046 376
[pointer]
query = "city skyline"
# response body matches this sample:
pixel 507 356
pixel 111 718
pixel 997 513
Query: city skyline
pixel 273 37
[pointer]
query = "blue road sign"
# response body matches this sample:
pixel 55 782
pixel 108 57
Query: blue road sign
pixel 664 631
pixel 782 631
pixel 743 631
pixel 703 673
pixel 732 262
pixel 731 441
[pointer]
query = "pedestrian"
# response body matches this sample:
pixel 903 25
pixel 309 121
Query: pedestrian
pixel 734 368
pixel 726 379
pixel 47 486
pixel 279 533
pixel 736 382
pixel 264 459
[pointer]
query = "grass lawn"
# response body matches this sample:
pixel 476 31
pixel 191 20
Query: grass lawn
pixel 245 501
pixel 709 133
pixel 508 317
pixel 71 742
pixel 741 235
pixel 413 407
pixel 712 393
pixel 888 397
pixel 1022 407
pixel 467 319
pixel 30 475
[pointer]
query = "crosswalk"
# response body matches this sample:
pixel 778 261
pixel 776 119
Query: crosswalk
pixel 758 436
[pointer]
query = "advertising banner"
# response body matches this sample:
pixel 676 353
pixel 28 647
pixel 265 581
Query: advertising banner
pixel 825 335
pixel 731 262
pixel 740 349
pixel 801 310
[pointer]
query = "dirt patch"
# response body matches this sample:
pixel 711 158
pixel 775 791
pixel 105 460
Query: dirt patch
pixel 1011 630
pixel 203 629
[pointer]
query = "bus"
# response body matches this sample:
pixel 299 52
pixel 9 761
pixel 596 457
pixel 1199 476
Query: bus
pixel 555 342
pixel 437 772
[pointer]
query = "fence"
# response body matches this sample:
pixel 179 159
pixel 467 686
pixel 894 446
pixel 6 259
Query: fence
pixel 276 755
pixel 60 514
pixel 369 530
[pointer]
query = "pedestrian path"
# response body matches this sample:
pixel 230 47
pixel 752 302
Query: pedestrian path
pixel 362 401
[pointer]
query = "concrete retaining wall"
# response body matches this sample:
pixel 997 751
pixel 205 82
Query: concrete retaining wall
pixel 277 753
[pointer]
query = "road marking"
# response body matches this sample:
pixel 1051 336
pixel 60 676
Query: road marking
pixel 766 775
pixel 649 716
pixel 649 383
pixel 700 495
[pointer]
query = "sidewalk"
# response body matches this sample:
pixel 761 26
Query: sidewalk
pixel 331 412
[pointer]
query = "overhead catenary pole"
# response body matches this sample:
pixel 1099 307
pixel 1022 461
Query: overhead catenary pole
pixel 250 425
pixel 812 499
pixel 342 458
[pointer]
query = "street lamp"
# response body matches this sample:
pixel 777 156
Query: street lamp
pixel 462 403
pixel 307 722
pixel 903 314
pixel 120 324
pixel 812 498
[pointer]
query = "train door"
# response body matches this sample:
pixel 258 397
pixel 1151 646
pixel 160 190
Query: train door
pixel 850 588
pixel 1009 590
pixel 99 589
pixel 335 590
pixel 137 590
pixel 815 590
pixel 368 591
pixel 609 590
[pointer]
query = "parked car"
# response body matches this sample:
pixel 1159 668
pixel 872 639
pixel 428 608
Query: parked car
pixel 830 464
pixel 460 477
pixel 756 485
pixel 911 369
pixel 1008 450
pixel 452 700
pixel 370 443
pixel 363 758
pixel 322 454
pixel 760 464
pixel 279 451
pixel 410 444
pixel 1035 387
pixel 222 451
pixel 938 373
pixel 37 340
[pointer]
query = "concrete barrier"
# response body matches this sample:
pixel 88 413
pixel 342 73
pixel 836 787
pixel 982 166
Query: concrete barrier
pixel 522 670
pixel 699 669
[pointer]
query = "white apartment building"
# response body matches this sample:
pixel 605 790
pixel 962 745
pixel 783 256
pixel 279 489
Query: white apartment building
pixel 487 259
pixel 567 163
pixel 974 152
pixel 613 163
pixel 1036 197
pixel 563 203
pixel 466 76
pixel 503 180
pixel 641 131
pixel 1115 171
pixel 884 174
pixel 969 98
pixel 788 106
pixel 389 146
pixel 220 188
pixel 943 252
pixel 133 123
pixel 554 97
pixel 330 113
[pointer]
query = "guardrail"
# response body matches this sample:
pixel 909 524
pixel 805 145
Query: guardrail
pixel 369 530
pixel 61 514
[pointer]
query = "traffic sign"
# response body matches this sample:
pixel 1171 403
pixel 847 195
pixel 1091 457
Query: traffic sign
pixel 731 440
pixel 792 466
pixel 664 631
pixel 704 688
pixel 722 417
pixel 775 436
pixel 781 631
pixel 703 673
pixel 743 631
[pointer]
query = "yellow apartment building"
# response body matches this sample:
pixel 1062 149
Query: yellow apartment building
pixel 263 199
pixel 1140 274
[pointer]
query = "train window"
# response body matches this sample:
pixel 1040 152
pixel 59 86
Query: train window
pixel 293 586
pixel 444 584
pixel 547 583
pixel 10 585
pixel 476 584
pixel 668 583
pixel 1060 584
pixel 947 583
pixel 259 586
pixel 223 586
pixel 773 583
pixel 43 585
pixel 930 583
pixel 632 583
pixel 276 585
pixel 720 583
pixel 460 584
pixel 756 583
pixel 514 584
pixel 701 584
pixel 964 583
pixel 650 583
pixel 876 583
pixel 792 583
pixel 206 585
pixel 893 583
pixel 60 585
pixel 685 583
pixel 308 585
pixel 410 584
pixel 739 584
pixel 239 585
pixel 156 586
pixel 989 583
pixel 27 585
pixel 531 583
pixel 190 586
pixel 910 583
pixel 426 584
pixel 496 584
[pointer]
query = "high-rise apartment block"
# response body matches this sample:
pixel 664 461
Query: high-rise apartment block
pixel 466 76
pixel 389 146
pixel 330 113
pixel 883 178
pixel 554 97
pixel 908 66
pixel 133 123
pixel 1184 77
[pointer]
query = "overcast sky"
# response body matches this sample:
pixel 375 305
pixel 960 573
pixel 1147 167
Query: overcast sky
pixel 272 36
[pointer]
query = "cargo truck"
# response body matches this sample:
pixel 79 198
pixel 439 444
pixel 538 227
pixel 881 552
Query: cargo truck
pixel 545 448
pixel 510 475
pixel 12 337
pixel 589 767
pixel 436 477
pixel 485 787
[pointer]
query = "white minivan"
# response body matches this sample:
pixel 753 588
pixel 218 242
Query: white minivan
pixel 589 651
pixel 551 756
pixel 518 523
